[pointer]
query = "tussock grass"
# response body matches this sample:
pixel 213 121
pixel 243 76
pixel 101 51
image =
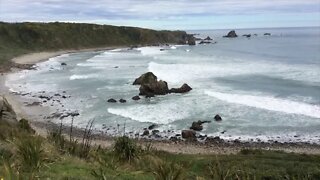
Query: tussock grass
pixel 126 149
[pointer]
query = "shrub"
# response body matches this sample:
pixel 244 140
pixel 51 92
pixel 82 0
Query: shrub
pixel 165 170
pixel 24 124
pixel 126 149
pixel 31 154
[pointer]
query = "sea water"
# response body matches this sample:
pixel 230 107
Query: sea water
pixel 263 87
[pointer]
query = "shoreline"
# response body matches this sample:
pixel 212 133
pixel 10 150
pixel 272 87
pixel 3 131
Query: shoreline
pixel 174 146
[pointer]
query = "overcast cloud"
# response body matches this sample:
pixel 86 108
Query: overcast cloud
pixel 167 14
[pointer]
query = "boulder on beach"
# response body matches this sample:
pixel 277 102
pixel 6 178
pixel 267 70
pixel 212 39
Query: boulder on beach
pixel 145 133
pixel 147 78
pixel 152 126
pixel 188 134
pixel 231 34
pixel 112 100
pixel 217 117
pixel 183 89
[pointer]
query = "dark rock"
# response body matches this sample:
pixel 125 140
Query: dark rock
pixel 136 98
pixel 231 34
pixel 64 97
pixel 147 78
pixel 162 49
pixel 188 134
pixel 191 40
pixel 204 42
pixel 267 34
pixel 112 100
pixel 208 38
pixel 34 104
pixel 197 125
pixel 63 64
pixel 116 67
pixel 183 89
pixel 216 139
pixel 217 117
pixel 156 88
pixel 247 35
pixel 154 132
pixel 57 94
pixel 255 34
pixel 145 133
pixel 122 101
pixel 152 126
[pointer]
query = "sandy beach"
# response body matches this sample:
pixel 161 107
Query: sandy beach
pixel 36 113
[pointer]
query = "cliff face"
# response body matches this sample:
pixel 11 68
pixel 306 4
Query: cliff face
pixel 19 38
pixel 7 114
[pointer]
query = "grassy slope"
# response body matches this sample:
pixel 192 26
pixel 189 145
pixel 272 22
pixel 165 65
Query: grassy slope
pixel 57 163
pixel 20 38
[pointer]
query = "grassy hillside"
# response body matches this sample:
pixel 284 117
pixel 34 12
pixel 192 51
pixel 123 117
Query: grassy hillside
pixel 28 156
pixel 20 38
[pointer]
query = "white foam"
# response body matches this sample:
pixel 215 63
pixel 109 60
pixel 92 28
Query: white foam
pixel 76 77
pixel 269 103
pixel 163 113
pixel 173 47
pixel 150 51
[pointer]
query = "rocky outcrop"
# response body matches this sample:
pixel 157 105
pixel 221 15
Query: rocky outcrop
pixel 188 134
pixel 135 98
pixel 112 100
pixel 191 40
pixel 122 101
pixel 7 113
pixel 247 35
pixel 147 78
pixel 208 38
pixel 231 34
pixel 156 88
pixel 197 125
pixel 217 117
pixel 150 86
pixel 183 89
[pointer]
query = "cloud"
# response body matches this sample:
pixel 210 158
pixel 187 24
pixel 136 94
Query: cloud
pixel 146 10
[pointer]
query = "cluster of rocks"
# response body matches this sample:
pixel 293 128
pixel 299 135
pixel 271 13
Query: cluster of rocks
pixel 233 34
pixel 150 86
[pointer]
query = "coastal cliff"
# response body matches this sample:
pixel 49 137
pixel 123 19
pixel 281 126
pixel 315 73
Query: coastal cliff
pixel 21 38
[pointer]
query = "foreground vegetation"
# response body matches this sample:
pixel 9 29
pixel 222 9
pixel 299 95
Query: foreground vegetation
pixel 25 155
pixel 20 38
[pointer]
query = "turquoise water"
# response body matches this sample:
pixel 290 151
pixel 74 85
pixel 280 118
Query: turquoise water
pixel 265 87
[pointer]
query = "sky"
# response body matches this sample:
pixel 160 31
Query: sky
pixel 168 14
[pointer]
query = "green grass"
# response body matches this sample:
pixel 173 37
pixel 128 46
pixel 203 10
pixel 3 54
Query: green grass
pixel 38 158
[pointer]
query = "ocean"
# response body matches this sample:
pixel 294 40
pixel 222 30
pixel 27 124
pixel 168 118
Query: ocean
pixel 264 87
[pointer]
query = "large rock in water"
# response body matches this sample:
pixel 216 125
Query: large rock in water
pixel 157 88
pixel 150 86
pixel 7 113
pixel 183 89
pixel 147 78
pixel 231 34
